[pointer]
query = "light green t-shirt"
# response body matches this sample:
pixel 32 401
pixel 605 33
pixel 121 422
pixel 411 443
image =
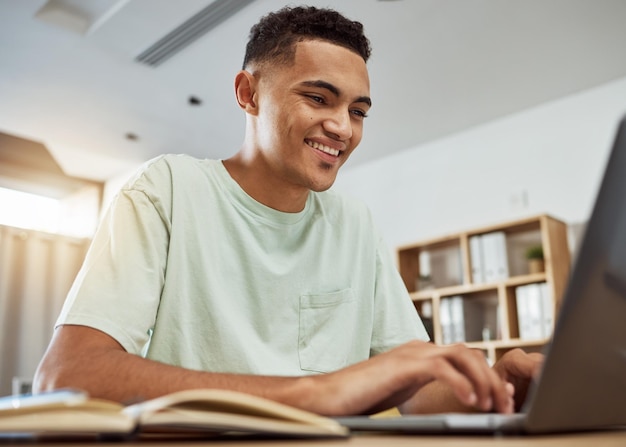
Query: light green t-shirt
pixel 189 270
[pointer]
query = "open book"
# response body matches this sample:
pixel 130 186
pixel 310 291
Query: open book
pixel 192 412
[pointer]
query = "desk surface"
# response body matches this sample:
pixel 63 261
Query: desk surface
pixel 599 439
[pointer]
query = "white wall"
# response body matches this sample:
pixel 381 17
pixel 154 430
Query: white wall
pixel 554 155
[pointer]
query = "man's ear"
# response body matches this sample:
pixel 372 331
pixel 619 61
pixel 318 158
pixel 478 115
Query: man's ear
pixel 245 91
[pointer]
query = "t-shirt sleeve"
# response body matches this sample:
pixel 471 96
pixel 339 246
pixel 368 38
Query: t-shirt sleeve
pixel 396 319
pixel 118 288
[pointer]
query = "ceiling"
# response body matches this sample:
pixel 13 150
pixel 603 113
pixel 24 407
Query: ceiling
pixel 438 67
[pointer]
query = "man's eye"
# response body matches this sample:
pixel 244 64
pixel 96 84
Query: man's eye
pixel 359 113
pixel 317 99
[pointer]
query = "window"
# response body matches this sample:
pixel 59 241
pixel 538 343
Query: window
pixel 75 215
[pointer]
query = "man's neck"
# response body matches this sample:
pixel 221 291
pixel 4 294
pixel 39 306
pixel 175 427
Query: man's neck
pixel 263 187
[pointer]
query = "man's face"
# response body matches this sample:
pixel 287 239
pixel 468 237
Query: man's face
pixel 310 114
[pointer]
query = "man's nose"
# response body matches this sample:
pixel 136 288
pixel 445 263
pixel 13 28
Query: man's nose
pixel 339 124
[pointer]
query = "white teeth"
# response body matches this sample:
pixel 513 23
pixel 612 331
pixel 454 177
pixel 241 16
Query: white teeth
pixel 323 148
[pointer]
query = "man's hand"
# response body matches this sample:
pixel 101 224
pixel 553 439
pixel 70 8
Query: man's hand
pixel 519 368
pixel 454 376
pixel 515 369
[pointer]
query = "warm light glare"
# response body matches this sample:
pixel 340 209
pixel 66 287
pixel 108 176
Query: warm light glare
pixel 30 211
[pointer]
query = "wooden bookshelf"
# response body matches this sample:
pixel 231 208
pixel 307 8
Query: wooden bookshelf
pixel 450 273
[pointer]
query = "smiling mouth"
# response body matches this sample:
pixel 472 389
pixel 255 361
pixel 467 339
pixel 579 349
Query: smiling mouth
pixel 323 148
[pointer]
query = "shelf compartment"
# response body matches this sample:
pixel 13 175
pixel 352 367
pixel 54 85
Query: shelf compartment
pixel 436 264
pixel 470 317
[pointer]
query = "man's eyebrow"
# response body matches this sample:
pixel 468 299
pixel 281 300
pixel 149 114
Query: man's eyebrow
pixel 335 91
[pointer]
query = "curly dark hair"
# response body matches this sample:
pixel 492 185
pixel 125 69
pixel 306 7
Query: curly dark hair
pixel 274 37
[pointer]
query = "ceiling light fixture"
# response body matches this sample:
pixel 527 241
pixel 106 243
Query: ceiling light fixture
pixel 80 16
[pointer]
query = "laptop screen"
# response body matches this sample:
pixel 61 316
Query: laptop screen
pixel 583 383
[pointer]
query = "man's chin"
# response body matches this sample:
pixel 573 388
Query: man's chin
pixel 322 186
pixel 326 180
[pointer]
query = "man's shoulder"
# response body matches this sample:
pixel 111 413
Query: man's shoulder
pixel 166 169
pixel 173 164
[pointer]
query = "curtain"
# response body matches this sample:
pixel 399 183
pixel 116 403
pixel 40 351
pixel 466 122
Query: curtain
pixel 36 272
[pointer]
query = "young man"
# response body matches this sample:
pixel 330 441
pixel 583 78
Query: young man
pixel 247 274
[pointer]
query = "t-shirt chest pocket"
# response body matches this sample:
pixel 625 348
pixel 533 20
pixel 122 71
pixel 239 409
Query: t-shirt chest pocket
pixel 327 327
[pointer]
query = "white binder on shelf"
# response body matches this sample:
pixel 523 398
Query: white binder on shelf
pixel 495 261
pixel 535 311
pixel 445 319
pixel 476 258
pixel 547 308
pixel 457 320
pixel 523 312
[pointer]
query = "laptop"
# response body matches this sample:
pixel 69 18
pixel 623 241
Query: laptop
pixel 582 385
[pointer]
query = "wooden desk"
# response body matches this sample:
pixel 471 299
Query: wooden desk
pixel 603 439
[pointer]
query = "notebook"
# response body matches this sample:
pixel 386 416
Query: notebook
pixel 582 385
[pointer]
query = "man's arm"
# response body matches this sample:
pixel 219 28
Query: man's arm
pixel 86 358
